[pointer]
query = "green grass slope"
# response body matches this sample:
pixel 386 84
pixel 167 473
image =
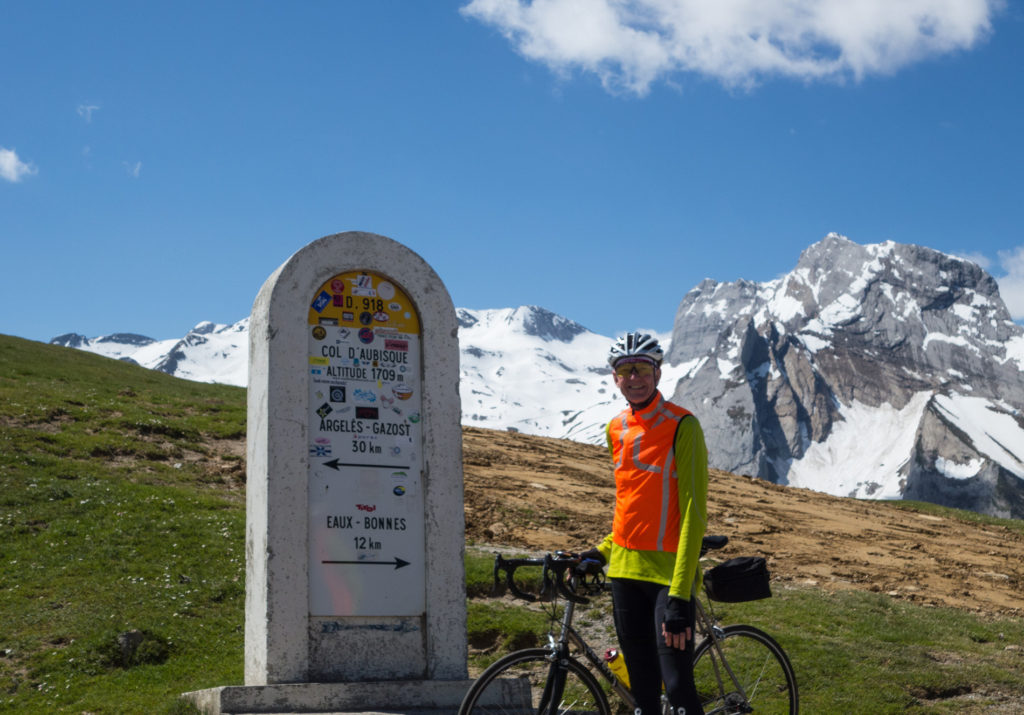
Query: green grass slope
pixel 122 559
pixel 122 565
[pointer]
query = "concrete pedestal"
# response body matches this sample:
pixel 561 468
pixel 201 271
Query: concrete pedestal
pixel 420 697
pixel 355 585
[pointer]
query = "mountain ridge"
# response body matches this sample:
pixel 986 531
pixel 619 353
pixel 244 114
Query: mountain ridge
pixel 905 344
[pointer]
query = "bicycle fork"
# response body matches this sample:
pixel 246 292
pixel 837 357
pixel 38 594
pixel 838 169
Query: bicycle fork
pixel 554 687
pixel 558 671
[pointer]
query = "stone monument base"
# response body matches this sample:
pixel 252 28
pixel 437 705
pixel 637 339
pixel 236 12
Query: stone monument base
pixel 394 696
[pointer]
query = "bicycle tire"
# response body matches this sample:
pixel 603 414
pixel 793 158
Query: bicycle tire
pixel 761 666
pixel 500 689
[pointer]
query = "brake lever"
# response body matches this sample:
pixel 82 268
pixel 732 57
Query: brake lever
pixel 564 589
pixel 510 583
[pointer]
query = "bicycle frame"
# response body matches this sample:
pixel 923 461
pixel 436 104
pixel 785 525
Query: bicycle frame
pixel 568 640
pixel 568 636
pixel 708 626
pixel 567 649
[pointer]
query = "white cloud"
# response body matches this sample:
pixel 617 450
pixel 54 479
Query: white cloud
pixel 133 169
pixel 1011 286
pixel 85 111
pixel 630 44
pixel 12 168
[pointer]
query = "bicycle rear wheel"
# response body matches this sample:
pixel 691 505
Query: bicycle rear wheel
pixel 526 681
pixel 763 673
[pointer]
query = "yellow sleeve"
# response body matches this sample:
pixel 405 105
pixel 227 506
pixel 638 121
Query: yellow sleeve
pixel 605 546
pixel 691 457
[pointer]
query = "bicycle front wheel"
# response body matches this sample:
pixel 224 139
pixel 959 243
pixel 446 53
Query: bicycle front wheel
pixel 529 682
pixel 752 674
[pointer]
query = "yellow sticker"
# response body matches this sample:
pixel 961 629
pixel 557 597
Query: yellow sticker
pixel 364 300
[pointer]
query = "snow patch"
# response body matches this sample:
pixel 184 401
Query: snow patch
pixel 943 338
pixel 992 431
pixel 954 470
pixel 842 466
pixel 842 310
pixel 1015 350
pixel 813 342
pixel 725 368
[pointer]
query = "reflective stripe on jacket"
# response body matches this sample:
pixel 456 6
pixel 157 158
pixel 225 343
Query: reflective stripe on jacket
pixel 646 485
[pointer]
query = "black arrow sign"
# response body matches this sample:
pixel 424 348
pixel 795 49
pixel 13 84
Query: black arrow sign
pixel 398 563
pixel 336 465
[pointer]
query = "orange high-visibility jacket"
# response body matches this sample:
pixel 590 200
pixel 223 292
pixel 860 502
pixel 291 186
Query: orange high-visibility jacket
pixel 646 486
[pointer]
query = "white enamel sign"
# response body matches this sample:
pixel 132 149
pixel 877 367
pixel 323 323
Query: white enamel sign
pixel 366 509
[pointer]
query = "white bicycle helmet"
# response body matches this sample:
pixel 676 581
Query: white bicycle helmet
pixel 636 345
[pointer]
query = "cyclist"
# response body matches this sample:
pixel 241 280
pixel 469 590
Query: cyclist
pixel 661 482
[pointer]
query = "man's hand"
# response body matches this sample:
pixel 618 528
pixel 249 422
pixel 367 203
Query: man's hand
pixel 677 629
pixel 591 562
pixel 588 567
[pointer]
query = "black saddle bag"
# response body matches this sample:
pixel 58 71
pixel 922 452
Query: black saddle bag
pixel 744 578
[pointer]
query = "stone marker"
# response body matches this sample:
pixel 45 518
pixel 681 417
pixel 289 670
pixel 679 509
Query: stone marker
pixel 355 590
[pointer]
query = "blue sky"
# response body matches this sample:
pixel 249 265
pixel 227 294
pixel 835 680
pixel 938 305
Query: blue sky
pixel 159 160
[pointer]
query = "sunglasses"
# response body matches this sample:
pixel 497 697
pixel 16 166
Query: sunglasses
pixel 642 369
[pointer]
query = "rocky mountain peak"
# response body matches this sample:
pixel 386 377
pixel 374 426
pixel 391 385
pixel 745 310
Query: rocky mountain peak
pixel 74 340
pixel 127 339
pixel 70 340
pixel 886 326
pixel 528 320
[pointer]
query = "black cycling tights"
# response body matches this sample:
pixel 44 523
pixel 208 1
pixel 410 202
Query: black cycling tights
pixel 639 613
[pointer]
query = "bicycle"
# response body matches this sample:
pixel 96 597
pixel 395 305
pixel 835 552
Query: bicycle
pixel 737 668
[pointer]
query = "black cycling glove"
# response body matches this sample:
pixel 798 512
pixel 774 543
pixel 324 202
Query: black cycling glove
pixel 677 615
pixel 591 562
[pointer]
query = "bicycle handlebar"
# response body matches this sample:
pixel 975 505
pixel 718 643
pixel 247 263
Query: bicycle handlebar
pixel 553 575
pixel 509 566
pixel 563 563
pixel 567 579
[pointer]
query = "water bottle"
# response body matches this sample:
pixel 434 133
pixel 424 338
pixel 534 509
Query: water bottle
pixel 613 658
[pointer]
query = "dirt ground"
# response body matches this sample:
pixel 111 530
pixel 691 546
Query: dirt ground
pixel 544 494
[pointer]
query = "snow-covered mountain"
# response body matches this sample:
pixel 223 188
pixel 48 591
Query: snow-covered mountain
pixel 879 371
pixel 530 370
pixel 524 368
pixel 208 353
